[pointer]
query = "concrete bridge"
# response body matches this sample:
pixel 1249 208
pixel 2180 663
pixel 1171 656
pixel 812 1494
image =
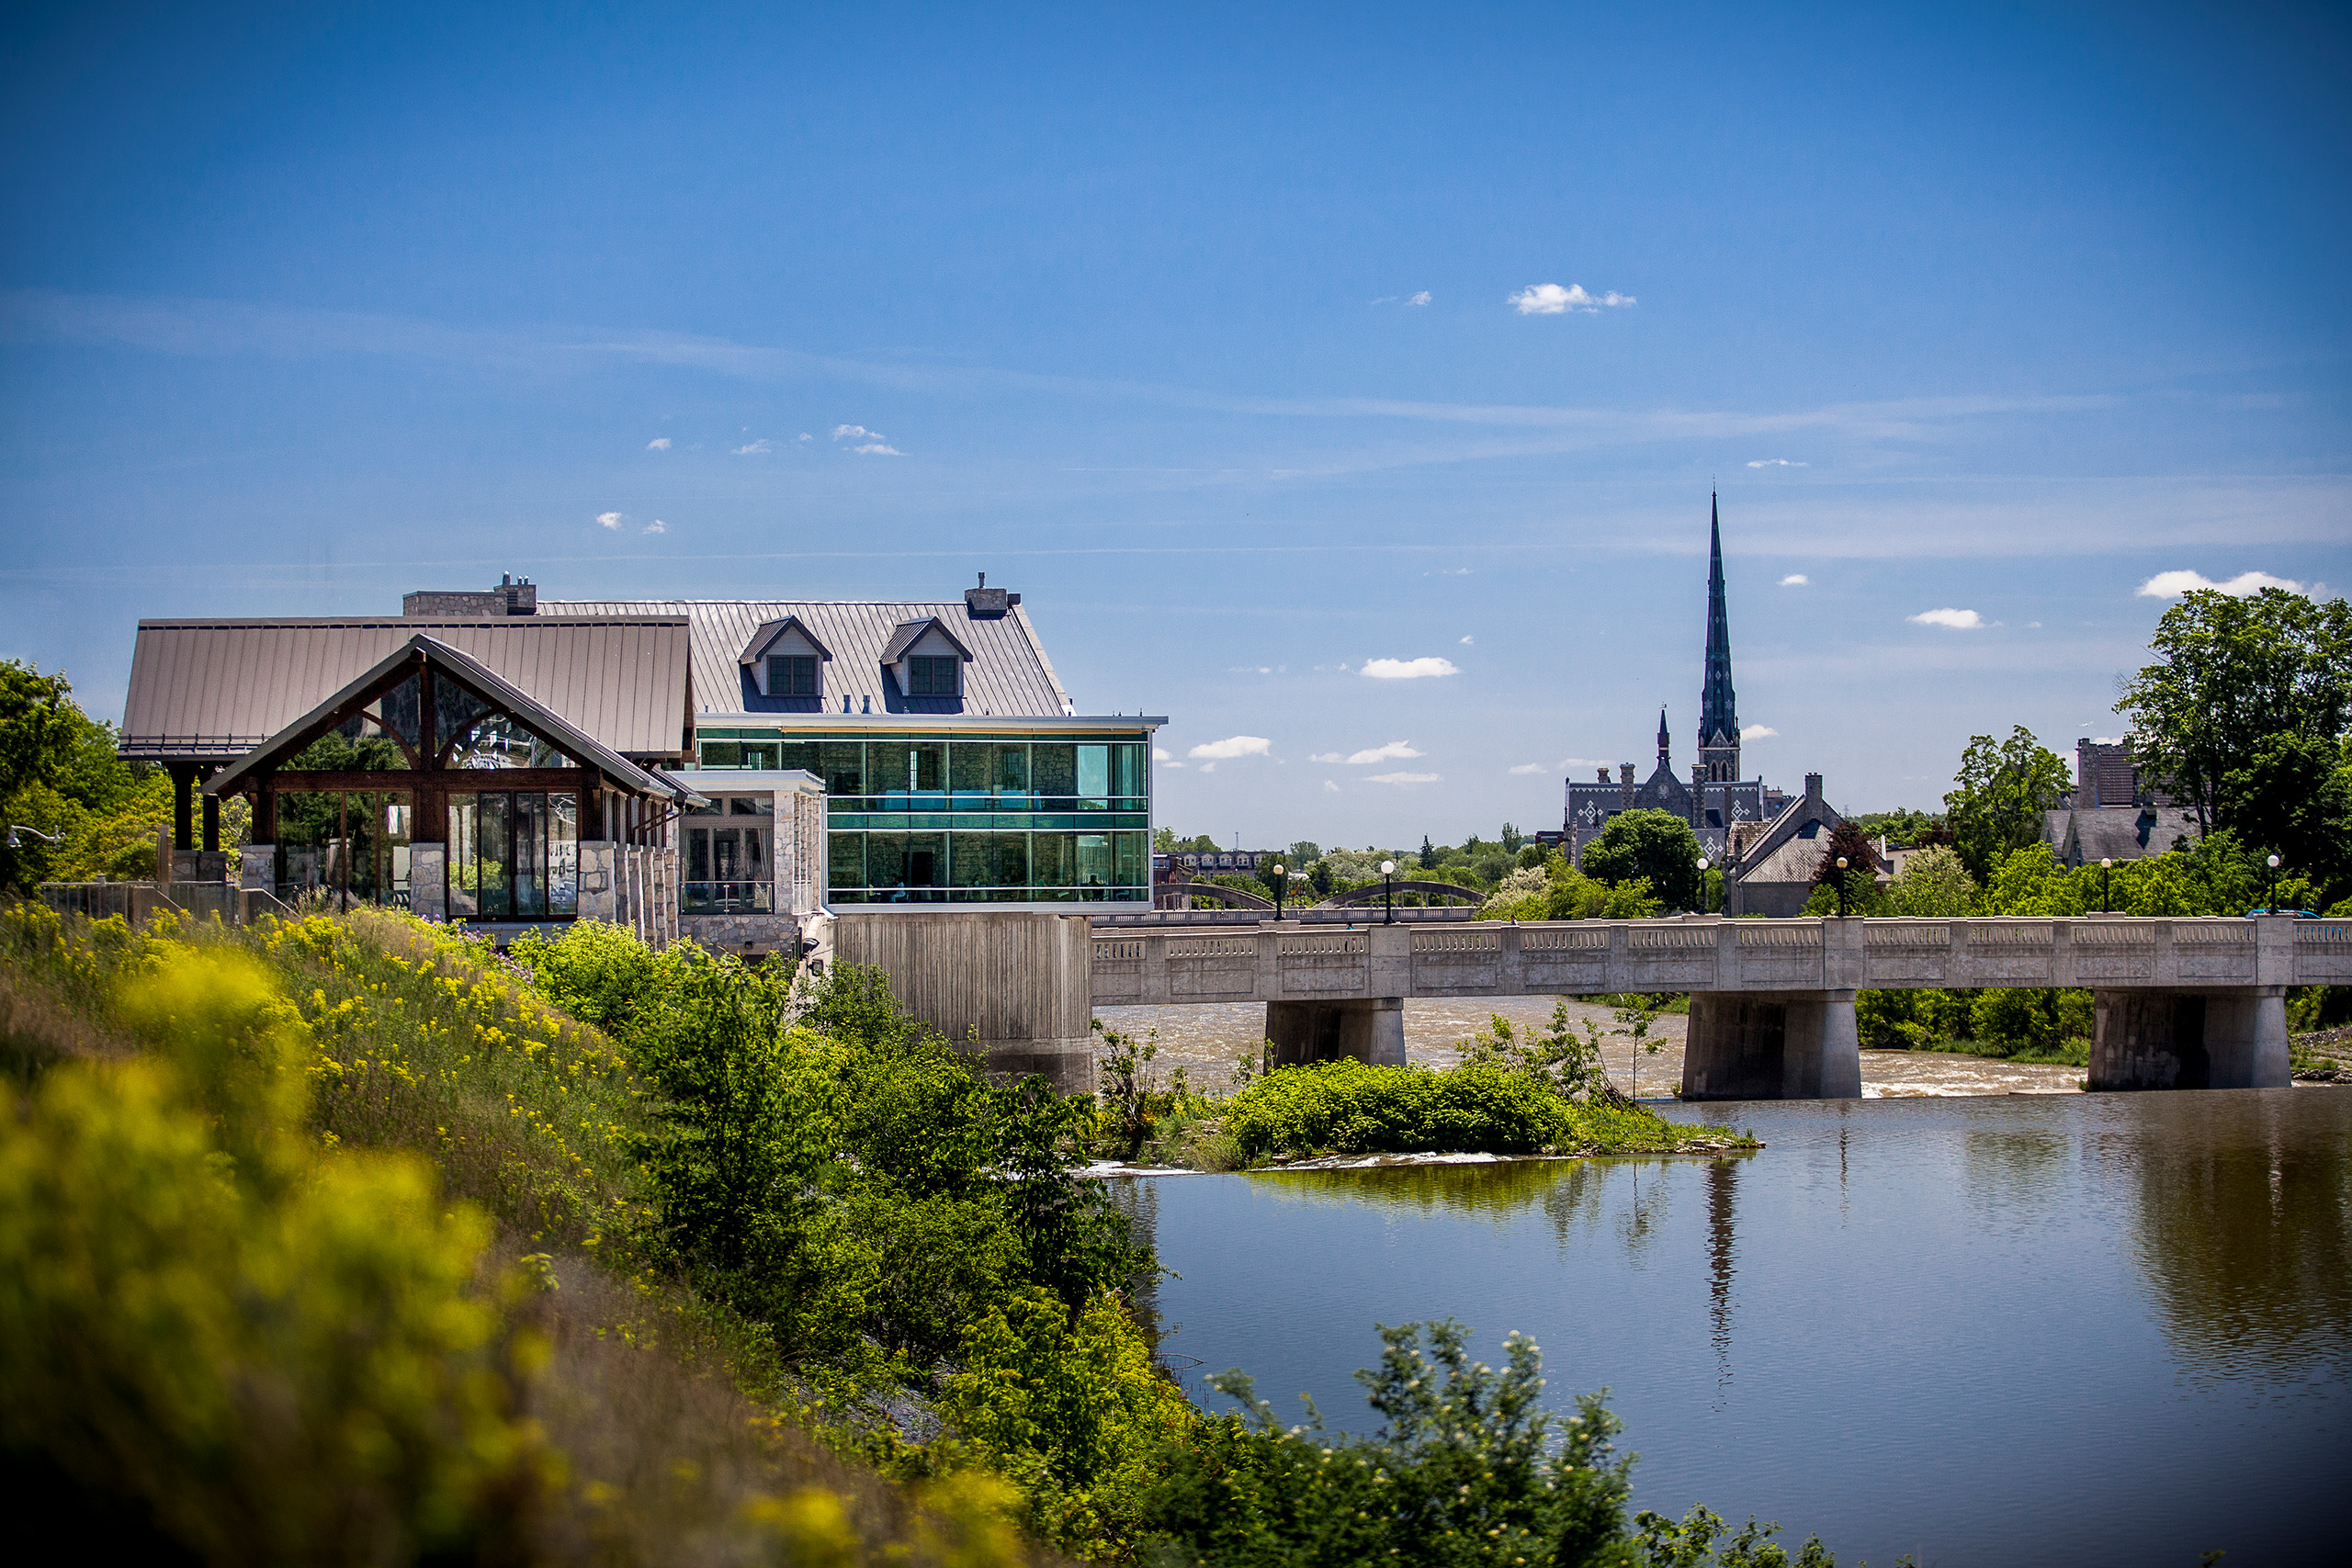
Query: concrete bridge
pixel 2179 1003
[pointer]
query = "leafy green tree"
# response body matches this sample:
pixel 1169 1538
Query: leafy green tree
pixel 1512 839
pixel 1903 828
pixel 1304 854
pixel 2230 674
pixel 1933 885
pixel 59 775
pixel 1999 796
pixel 1656 847
pixel 2294 795
pixel 1429 854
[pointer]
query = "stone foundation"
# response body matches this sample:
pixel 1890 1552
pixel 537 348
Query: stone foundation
pixel 1771 1046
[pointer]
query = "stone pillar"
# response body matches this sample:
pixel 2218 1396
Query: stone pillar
pixel 599 896
pixel 1369 1030
pixel 428 883
pixel 1771 1046
pixel 259 868
pixel 2222 1039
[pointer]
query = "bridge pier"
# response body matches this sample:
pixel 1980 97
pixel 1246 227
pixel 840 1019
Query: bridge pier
pixel 1771 1046
pixel 1371 1030
pixel 2170 1039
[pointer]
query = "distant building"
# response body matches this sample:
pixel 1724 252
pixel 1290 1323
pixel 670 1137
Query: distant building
pixel 1769 868
pixel 2115 811
pixel 1715 800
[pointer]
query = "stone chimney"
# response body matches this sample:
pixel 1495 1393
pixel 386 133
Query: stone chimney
pixel 1813 792
pixel 1698 796
pixel 1625 785
pixel 513 596
pixel 1602 774
pixel 986 603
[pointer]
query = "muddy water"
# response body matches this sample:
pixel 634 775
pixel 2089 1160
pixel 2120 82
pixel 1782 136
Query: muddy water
pixel 1205 1040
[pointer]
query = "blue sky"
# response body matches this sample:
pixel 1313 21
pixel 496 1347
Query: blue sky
pixel 1254 349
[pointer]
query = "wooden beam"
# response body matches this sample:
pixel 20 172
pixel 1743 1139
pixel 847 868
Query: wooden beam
pixel 441 781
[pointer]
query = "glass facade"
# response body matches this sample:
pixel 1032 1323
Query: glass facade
pixel 514 855
pixel 727 847
pixel 353 844
pixel 980 820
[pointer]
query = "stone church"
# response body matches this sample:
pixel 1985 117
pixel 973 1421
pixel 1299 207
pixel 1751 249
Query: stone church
pixel 1719 805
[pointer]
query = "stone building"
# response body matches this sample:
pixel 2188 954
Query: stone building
pixel 2115 811
pixel 1714 799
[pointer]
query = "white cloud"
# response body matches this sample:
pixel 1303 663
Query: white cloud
pixel 1777 463
pixel 1331 786
pixel 1420 298
pixel 880 449
pixel 659 443
pixel 1795 580
pixel 1465 642
pixel 1395 751
pixel 804 436
pixel 1759 732
pixel 1232 746
pixel 1532 768
pixel 657 526
pixel 1406 778
pixel 610 519
pixel 2172 585
pixel 859 431
pixel 1551 299
pixel 1958 620
pixel 755 448
pixel 1408 669
pixel 1162 754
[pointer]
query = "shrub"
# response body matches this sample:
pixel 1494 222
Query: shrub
pixel 1349 1107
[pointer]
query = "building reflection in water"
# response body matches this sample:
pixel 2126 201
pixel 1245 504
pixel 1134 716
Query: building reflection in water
pixel 1722 1262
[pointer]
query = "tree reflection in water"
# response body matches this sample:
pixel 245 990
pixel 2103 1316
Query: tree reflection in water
pixel 2244 1230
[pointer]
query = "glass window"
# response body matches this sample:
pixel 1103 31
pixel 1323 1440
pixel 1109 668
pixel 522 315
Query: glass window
pixel 527 820
pixel 1094 776
pixel 1052 860
pixel 464 857
pixel 1095 860
pixel 799 754
pixel 751 806
pixel 1054 766
pixel 1129 853
pixel 842 766
pixel 845 860
pixel 723 753
pixel 932 677
pixel 912 766
pixel 971 769
pixel 792 675
pixel 1129 775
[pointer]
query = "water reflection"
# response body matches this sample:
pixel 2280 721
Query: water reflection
pixel 2244 1230
pixel 1722 1262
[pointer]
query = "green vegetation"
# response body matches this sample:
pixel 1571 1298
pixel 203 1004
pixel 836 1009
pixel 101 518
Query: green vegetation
pixel 1999 795
pixel 1655 847
pixel 345 1238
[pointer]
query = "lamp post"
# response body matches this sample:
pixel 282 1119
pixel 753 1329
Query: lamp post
pixel 1389 892
pixel 2271 898
pixel 1841 888
pixel 1702 885
pixel 16 844
pixel 1280 876
pixel 2105 905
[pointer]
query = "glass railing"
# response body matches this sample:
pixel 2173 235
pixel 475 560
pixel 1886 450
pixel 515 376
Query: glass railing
pixel 726 897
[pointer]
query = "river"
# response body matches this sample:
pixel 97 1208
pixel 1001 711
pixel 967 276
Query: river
pixel 2003 1330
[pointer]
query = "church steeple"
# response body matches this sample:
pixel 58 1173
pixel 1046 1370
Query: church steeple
pixel 1665 745
pixel 1718 705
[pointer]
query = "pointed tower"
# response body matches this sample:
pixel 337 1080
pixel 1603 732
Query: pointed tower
pixel 1665 743
pixel 1718 706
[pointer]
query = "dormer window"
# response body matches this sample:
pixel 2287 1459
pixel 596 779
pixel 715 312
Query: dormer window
pixel 932 677
pixel 792 675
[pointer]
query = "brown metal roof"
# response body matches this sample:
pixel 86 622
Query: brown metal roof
pixel 218 688
pixel 1009 675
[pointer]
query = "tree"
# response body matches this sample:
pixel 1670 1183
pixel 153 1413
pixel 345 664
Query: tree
pixel 1648 845
pixel 1903 828
pixel 38 726
pixel 2230 674
pixel 1933 883
pixel 1304 854
pixel 1512 837
pixel 2294 795
pixel 1428 852
pixel 2000 792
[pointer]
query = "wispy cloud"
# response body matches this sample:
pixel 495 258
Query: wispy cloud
pixel 1778 463
pixel 754 449
pixel 1395 751
pixel 1162 754
pixel 845 431
pixel 878 450
pixel 656 526
pixel 1332 785
pixel 1232 746
pixel 1759 732
pixel 1405 778
pixel 1795 580
pixel 804 436
pixel 1466 641
pixel 1958 620
pixel 872 442
pixel 1408 669
pixel 1532 768
pixel 2172 585
pixel 1561 766
pixel 659 443
pixel 1420 298
pixel 1551 299
pixel 610 519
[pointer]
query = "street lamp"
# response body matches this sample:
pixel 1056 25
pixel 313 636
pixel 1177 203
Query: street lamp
pixel 1280 876
pixel 16 844
pixel 1389 892
pixel 2105 905
pixel 1841 888
pixel 1702 885
pixel 2271 898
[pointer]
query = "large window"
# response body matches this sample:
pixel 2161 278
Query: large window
pixel 514 855
pixel 350 844
pixel 932 677
pixel 792 674
pixel 728 849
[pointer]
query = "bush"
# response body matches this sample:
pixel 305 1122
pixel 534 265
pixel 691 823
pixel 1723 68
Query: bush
pixel 1351 1108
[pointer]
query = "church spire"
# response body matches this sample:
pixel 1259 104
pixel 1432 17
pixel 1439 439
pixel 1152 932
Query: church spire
pixel 1718 706
pixel 1665 745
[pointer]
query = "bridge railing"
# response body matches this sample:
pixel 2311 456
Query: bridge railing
pixel 1289 962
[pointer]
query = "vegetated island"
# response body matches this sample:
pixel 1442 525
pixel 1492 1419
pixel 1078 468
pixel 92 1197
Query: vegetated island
pixel 1515 1093
pixel 346 1238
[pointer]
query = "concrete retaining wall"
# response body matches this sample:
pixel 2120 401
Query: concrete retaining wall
pixel 1014 988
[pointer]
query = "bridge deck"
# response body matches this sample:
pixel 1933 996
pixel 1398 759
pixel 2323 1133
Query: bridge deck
pixel 1294 963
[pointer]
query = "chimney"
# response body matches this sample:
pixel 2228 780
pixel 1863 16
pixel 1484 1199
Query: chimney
pixel 1813 790
pixel 986 603
pixel 1625 785
pixel 1698 795
pixel 1602 774
pixel 520 596
pixel 513 596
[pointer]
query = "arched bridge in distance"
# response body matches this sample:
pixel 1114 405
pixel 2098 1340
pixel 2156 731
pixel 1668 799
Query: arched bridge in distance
pixel 2179 1003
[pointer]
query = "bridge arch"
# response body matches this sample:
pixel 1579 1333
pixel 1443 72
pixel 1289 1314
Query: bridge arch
pixel 1232 897
pixel 1375 895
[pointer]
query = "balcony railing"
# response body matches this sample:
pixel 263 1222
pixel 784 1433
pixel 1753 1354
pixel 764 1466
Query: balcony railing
pixel 726 897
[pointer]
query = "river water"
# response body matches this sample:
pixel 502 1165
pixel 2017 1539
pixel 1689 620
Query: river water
pixel 2003 1329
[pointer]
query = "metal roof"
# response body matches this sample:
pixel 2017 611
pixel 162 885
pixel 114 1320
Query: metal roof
pixel 427 652
pixel 1009 675
pixel 216 689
